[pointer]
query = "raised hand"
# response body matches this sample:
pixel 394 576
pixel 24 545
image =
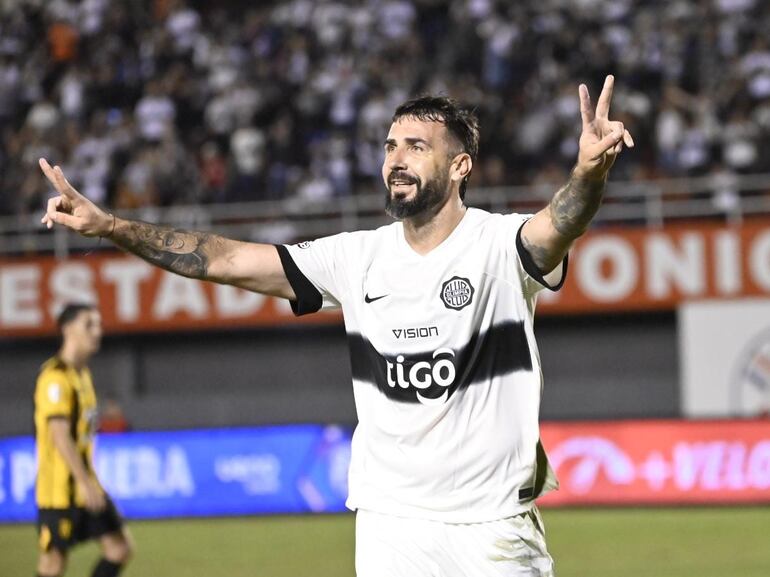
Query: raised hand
pixel 548 235
pixel 602 139
pixel 72 209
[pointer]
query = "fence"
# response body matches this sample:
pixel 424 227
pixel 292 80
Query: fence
pixel 730 198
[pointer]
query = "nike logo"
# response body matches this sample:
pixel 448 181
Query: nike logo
pixel 368 299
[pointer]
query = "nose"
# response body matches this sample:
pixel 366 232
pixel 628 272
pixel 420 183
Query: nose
pixel 396 160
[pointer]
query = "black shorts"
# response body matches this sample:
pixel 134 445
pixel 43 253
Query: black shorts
pixel 62 528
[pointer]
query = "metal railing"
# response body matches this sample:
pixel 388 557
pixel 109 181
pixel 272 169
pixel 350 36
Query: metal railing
pixel 650 203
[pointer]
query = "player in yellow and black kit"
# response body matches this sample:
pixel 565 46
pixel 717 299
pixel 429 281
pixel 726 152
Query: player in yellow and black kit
pixel 72 505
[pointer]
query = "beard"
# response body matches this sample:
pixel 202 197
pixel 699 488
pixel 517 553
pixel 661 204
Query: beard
pixel 426 197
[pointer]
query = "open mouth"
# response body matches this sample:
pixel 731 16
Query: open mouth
pixel 401 180
pixel 401 189
pixel 401 184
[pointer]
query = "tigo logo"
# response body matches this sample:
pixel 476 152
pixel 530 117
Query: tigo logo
pixel 423 374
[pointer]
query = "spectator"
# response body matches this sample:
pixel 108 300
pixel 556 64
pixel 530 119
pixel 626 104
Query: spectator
pixel 154 113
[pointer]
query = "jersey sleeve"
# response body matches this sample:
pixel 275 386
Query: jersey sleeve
pixel 54 395
pixel 533 280
pixel 316 271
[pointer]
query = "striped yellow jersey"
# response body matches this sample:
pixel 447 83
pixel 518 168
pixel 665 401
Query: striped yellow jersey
pixel 64 392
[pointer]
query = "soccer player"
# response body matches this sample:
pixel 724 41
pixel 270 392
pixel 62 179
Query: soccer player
pixel 72 505
pixel 446 461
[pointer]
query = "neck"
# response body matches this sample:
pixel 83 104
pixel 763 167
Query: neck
pixel 426 232
pixel 72 356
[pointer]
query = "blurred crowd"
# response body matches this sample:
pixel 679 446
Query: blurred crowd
pixel 164 102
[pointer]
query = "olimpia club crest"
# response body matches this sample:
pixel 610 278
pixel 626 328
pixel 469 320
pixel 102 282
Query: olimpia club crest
pixel 457 293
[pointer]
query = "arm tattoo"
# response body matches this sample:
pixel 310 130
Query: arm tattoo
pixel 571 211
pixel 575 204
pixel 178 251
pixel 541 256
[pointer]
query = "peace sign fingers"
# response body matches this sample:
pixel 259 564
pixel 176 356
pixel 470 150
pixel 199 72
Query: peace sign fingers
pixel 602 139
pixel 71 209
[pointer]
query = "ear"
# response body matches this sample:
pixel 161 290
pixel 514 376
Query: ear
pixel 461 167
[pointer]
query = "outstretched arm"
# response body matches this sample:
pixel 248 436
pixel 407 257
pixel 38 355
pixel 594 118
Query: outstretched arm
pixel 549 234
pixel 200 255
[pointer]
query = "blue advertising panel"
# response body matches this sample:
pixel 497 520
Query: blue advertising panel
pixel 287 469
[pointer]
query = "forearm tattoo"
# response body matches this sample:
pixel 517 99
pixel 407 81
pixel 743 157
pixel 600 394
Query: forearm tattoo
pixel 179 251
pixel 571 211
pixel 575 204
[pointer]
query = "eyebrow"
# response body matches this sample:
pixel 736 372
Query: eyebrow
pixel 408 140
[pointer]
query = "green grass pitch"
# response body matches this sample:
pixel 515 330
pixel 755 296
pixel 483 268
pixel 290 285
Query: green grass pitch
pixel 684 542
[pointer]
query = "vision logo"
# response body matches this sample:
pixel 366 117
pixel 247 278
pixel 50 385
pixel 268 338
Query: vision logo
pixel 422 375
pixel 415 332
pixel 457 293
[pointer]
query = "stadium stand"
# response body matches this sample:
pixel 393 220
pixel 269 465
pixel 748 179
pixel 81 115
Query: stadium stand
pixel 174 102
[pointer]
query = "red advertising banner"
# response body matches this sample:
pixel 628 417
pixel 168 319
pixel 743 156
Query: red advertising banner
pixel 659 462
pixel 621 269
pixel 132 296
pixel 637 269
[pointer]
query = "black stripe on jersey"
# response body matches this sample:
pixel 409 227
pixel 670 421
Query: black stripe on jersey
pixel 532 269
pixel 309 300
pixel 74 417
pixel 501 350
pixel 86 461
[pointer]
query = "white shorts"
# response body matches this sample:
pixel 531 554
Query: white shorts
pixel 389 546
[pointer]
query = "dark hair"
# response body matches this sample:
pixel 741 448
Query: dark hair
pixel 461 123
pixel 70 312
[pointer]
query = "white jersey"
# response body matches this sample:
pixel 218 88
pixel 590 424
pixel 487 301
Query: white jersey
pixel 446 372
